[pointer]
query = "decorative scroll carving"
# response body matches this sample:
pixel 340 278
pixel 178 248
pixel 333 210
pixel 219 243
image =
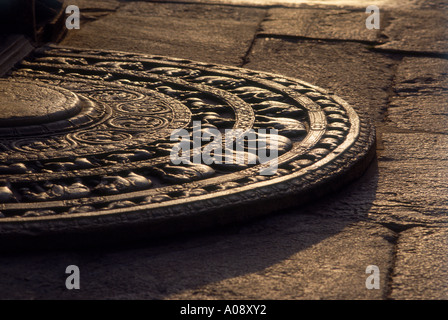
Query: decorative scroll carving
pixel 114 153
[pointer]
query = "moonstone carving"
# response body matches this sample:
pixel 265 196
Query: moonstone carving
pixel 93 157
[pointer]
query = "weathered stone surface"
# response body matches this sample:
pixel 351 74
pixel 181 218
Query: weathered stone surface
pixel 94 10
pixel 86 6
pixel 432 4
pixel 281 257
pixel 412 180
pixel 407 188
pixel 205 33
pixel 421 265
pixel 332 268
pixel 421 75
pixel 325 4
pixel 417 31
pixel 420 101
pixel 26 103
pixel 420 112
pixel 349 69
pixel 318 24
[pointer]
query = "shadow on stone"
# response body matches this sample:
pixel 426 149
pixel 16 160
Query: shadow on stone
pixel 330 227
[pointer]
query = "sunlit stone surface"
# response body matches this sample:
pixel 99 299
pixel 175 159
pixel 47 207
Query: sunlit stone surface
pixel 24 103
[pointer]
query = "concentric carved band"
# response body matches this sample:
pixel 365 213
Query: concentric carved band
pixel 113 172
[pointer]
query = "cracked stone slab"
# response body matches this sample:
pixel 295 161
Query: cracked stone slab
pixel 192 31
pixel 421 96
pixel 421 266
pixel 319 24
pixel 349 69
pixel 417 31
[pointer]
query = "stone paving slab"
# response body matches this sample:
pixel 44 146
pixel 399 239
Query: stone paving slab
pixel 417 31
pixel 287 256
pixel 206 33
pixel 321 250
pixel 88 5
pixel 421 95
pixel 420 112
pixel 421 267
pixel 433 4
pixel 421 75
pixel 350 70
pixel 333 268
pixel 94 10
pixel 319 24
pixel 412 179
pixel 320 3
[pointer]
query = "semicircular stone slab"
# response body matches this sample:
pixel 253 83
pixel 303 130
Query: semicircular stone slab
pixel 92 162
pixel 21 103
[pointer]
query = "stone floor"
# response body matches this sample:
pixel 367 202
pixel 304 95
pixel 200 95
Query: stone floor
pixel 394 217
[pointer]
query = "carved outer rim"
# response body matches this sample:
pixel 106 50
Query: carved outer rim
pixel 199 212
